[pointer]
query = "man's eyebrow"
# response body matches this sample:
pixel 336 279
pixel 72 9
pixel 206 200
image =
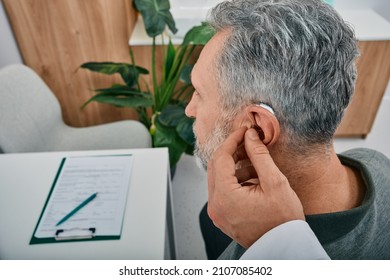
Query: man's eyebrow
pixel 197 85
pixel 191 80
pixel 193 85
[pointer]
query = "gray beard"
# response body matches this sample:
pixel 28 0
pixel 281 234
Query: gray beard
pixel 204 152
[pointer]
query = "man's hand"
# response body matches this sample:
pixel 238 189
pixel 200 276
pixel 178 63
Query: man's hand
pixel 242 209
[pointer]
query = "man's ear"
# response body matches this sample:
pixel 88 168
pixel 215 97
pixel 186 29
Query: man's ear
pixel 263 118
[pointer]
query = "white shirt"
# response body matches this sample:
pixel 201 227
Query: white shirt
pixel 293 240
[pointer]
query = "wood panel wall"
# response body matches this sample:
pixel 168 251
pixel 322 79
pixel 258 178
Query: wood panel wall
pixel 373 76
pixel 56 36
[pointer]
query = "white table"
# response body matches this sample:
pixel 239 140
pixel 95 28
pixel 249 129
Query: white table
pixel 25 181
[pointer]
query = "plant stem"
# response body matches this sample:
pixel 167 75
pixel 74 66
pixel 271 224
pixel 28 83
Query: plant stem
pixel 179 93
pixel 146 86
pixel 165 52
pixel 154 77
pixel 143 117
pixel 133 63
pixel 188 94
pixel 180 62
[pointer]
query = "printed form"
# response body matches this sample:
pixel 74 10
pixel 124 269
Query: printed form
pixel 78 179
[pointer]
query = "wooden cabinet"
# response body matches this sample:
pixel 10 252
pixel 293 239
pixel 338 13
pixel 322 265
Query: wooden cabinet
pixel 373 76
pixel 56 37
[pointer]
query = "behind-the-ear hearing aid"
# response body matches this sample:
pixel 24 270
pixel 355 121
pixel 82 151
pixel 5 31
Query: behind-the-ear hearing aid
pixel 258 129
pixel 267 107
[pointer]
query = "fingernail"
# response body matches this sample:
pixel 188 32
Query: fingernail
pixel 252 134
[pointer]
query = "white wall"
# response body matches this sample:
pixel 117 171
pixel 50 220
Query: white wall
pixel 382 7
pixel 9 52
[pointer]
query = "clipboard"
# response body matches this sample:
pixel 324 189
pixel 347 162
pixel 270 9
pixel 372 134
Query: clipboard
pixel 108 176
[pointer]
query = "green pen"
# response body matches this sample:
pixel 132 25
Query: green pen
pixel 82 204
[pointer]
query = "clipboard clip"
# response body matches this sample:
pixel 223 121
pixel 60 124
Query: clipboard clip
pixel 75 234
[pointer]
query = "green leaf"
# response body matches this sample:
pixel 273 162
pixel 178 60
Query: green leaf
pixel 172 114
pixel 170 57
pixel 185 130
pixel 156 16
pixel 124 90
pixel 122 96
pixel 128 72
pixel 185 75
pixel 168 137
pixel 190 150
pixel 198 35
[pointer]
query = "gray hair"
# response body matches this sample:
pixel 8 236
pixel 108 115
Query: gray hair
pixel 296 56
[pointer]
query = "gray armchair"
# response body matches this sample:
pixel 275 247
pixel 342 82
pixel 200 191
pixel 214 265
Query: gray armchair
pixel 31 120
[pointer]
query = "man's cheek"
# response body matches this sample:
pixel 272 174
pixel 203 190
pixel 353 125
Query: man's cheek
pixel 197 133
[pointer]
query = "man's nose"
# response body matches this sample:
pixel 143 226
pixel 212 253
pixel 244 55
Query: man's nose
pixel 190 110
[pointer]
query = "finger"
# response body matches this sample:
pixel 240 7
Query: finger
pixel 223 165
pixel 226 151
pixel 245 174
pixel 261 160
pixel 240 153
pixel 232 142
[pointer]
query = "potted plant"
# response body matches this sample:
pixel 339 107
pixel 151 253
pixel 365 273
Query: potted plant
pixel 160 109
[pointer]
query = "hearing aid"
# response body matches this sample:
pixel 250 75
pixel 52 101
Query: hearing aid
pixel 255 126
pixel 267 107
pixel 259 131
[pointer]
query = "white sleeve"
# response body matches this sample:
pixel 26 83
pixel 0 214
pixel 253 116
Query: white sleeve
pixel 293 240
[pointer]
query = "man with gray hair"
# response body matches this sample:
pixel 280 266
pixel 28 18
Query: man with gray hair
pixel 287 68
